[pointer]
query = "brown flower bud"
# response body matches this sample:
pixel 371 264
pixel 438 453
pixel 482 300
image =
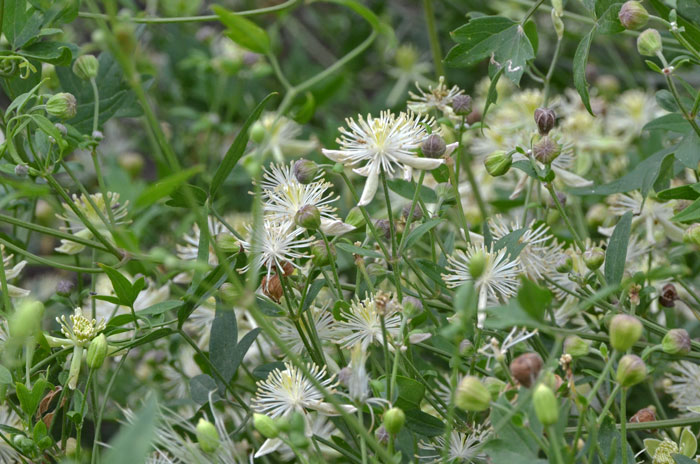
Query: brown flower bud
pixel 272 287
pixel 525 368
pixel 546 150
pixel 644 415
pixel 417 212
pixel 287 268
pixel 462 105
pixel 383 228
pixel 545 118
pixel 668 296
pixel 434 146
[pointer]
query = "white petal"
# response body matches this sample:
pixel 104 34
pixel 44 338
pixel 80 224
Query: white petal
pixel 270 446
pixel 418 337
pixel 328 409
pixel 450 148
pixel 519 187
pixel 370 188
pixel 419 163
pixel 571 179
pixel 336 155
pixel 335 227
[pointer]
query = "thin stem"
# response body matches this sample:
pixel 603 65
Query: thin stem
pixel 677 97
pixel 550 73
pixel 7 303
pixel 433 38
pixel 531 11
pixel 623 423
pixel 458 200
pixel 555 444
pixel 332 263
pixel 395 261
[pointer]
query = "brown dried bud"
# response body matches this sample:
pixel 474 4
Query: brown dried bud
pixel 434 146
pixel 383 228
pixel 525 368
pixel 287 268
pixel 644 415
pixel 545 118
pixel 417 212
pixel 272 287
pixel 668 296
pixel 462 105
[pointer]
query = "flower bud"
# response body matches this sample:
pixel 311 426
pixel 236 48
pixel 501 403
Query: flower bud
pixel 265 425
pixel 498 163
pixel 207 436
pixel 633 15
pixel 472 395
pixel 272 287
pixel 319 253
pixel 97 135
pixel 576 346
pixel 495 386
pixel 668 296
pixel 417 212
pixel 624 331
pixel 525 368
pixel 564 263
pixel 596 215
pixel 631 370
pixel 692 235
pixel 305 171
pixel 383 227
pixel 434 146
pixel 462 105
pixel 355 217
pixel 62 105
pixel 676 341
pixel 308 217
pixel 644 415
pixel 61 128
pixel 97 351
pixel 546 150
pixel 228 243
pixel 26 320
pixel 86 67
pixel 545 118
pixel 649 42
pixel 393 420
pixel 412 306
pixel 477 264
pixel 546 405
pixel 21 170
pixel 593 258
pixel 257 132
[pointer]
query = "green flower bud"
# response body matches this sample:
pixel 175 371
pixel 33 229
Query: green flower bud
pixel 564 263
pixel 546 405
pixel 624 332
pixel 576 346
pixel 495 386
pixel 319 253
pixel 305 171
pixel 308 217
pixel 26 320
pixel 62 105
pixel 394 419
pixel 594 258
pixel 207 436
pixel 633 15
pixel 692 235
pixel 676 341
pixel 265 425
pixel 546 150
pixel 472 395
pixel 412 306
pixel 649 43
pixel 434 146
pixel 97 351
pixel 228 243
pixel 498 163
pixel 462 105
pixel 477 264
pixel 86 67
pixel 631 370
pixel 257 132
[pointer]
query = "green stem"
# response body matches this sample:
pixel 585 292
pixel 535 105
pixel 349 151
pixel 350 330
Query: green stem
pixel 458 200
pixel 47 262
pixel 49 231
pixel 531 11
pixel 623 423
pixel 332 263
pixel 395 261
pixel 677 97
pixel 550 73
pixel 433 38
pixel 7 303
pixel 555 444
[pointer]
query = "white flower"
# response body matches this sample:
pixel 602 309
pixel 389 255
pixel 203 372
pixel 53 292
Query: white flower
pixel 385 144
pixel 12 272
pixel 284 196
pixel 538 256
pixel 462 448
pixel 364 325
pixel 652 216
pixel 683 385
pixel 77 227
pixel 439 98
pixel 497 350
pixel 81 329
pixel 276 244
pixel 498 279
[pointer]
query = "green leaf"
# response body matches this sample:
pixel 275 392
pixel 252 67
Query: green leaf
pixel 407 189
pixel 201 386
pixel 684 192
pixel 242 348
pixel 200 291
pixel 56 53
pixel 423 423
pixel 166 186
pixel 243 31
pixel 359 251
pixel 237 148
pixel 466 305
pixel 674 122
pixel 411 393
pixel 419 231
pixel 688 151
pixel 5 376
pixel 690 213
pixel 681 459
pixel 610 442
pixel 510 315
pixel 122 286
pixel 616 254
pixel 29 399
pixel 688 443
pixel 650 444
pixel 305 112
pixel 491 95
pixel 503 452
pixel 511 243
pixel 533 298
pixel 178 199
pixel 222 342
pixel 133 442
pixel 608 22
pixel 492 36
pixel 580 61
